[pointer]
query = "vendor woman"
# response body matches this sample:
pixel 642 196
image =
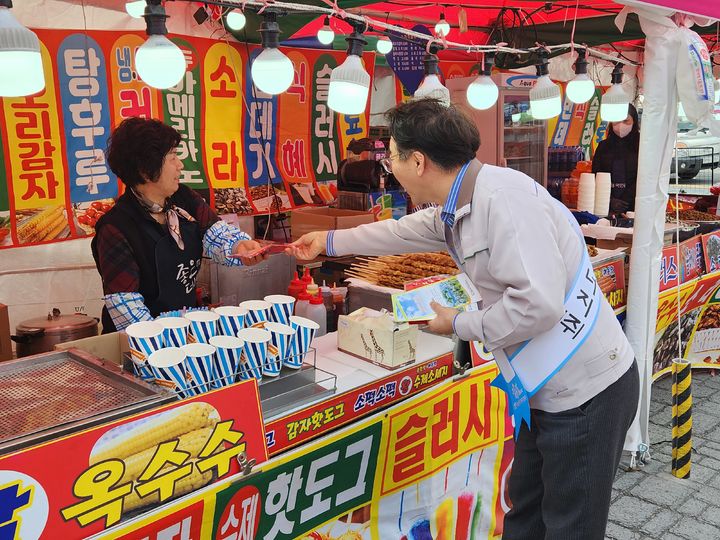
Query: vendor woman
pixel 149 246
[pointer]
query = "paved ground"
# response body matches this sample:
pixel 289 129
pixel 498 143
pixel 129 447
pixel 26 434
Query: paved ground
pixel 651 503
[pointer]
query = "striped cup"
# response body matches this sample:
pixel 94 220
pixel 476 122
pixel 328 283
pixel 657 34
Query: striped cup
pixel 168 367
pixel 232 319
pixel 255 351
pixel 300 342
pixel 280 335
pixel 203 325
pixel 258 311
pixel 175 330
pixel 144 338
pixel 226 364
pixel 199 365
pixel 281 307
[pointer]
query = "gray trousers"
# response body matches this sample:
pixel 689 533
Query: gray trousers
pixel 564 467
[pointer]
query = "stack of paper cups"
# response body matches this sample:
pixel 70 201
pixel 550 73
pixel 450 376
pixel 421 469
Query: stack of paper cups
pixel 603 185
pixel 175 330
pixel 203 325
pixel 199 365
pixel 168 366
pixel 144 338
pixel 586 193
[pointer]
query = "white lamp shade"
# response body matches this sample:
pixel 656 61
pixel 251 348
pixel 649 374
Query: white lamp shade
pixel 384 45
pixel 431 87
pixel 349 87
pixel 545 101
pixel 482 93
pixel 442 28
pixel 272 72
pixel 21 65
pixel 580 89
pixel 159 62
pixel 235 20
pixel 136 9
pixel 615 104
pixel 326 35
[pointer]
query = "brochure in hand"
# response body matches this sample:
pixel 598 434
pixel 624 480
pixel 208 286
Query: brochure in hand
pixel 455 292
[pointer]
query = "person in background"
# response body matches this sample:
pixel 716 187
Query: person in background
pixel 618 155
pixel 148 247
pixel 523 251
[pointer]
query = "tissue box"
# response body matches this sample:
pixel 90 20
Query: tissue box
pixel 375 337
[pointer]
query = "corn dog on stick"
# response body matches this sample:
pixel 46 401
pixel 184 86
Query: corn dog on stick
pixel 191 443
pixel 153 432
pixel 195 480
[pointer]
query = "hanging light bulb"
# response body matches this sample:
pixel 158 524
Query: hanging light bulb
pixel 442 28
pixel 235 20
pixel 582 87
pixel 159 62
pixel 615 102
pixel 482 93
pixel 349 82
pixel 135 9
pixel 431 86
pixel 272 72
pixel 326 35
pixel 384 45
pixel 20 59
pixel 545 99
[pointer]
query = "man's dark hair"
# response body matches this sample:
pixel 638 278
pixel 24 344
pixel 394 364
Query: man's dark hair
pixel 137 148
pixel 444 134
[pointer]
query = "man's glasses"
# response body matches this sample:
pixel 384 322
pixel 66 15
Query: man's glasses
pixel 387 163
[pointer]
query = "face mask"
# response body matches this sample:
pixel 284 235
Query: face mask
pixel 621 130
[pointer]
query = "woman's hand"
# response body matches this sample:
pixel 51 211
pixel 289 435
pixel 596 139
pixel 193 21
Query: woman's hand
pixel 308 246
pixel 246 251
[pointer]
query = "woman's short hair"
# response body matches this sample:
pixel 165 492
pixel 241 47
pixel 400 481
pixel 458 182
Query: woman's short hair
pixel 137 148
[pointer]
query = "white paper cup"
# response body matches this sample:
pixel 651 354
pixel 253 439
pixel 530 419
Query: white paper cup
pixel 175 330
pixel 280 336
pixel 255 351
pixel 144 338
pixel 199 364
pixel 300 342
pixel 203 325
pixel 281 307
pixel 168 367
pixel 232 319
pixel 228 355
pixel 258 311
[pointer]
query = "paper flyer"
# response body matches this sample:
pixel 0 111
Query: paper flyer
pixel 455 292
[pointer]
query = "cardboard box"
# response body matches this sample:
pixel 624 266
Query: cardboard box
pixel 110 347
pixel 390 347
pixel 5 342
pixel 326 219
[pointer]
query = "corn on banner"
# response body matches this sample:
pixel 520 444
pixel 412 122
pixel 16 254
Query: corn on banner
pixel 433 466
pixel 244 151
pixel 86 482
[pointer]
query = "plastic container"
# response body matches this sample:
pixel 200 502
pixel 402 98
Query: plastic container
pixel 296 286
pixel 306 278
pixel 327 297
pixel 302 304
pixel 339 304
pixel 316 312
pixel 313 289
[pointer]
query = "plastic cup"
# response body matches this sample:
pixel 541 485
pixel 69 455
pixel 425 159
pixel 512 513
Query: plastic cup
pixel 232 319
pixel 144 338
pixel 203 325
pixel 168 367
pixel 280 335
pixel 255 352
pixel 228 357
pixel 175 330
pixel 258 311
pixel 281 307
pixel 305 330
pixel 199 365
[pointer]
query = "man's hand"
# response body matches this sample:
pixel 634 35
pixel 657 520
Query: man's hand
pixel 244 250
pixel 308 246
pixel 443 323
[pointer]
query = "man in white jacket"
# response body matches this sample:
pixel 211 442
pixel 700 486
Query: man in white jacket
pixel 557 341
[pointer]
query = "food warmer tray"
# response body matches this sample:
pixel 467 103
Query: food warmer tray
pixel 49 395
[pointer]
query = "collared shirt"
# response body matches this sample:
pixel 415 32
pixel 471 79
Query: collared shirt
pixel 448 210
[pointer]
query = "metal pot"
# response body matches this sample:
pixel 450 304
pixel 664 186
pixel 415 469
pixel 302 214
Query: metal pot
pixel 43 333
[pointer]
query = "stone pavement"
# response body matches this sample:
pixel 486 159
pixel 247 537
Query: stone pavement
pixel 651 503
